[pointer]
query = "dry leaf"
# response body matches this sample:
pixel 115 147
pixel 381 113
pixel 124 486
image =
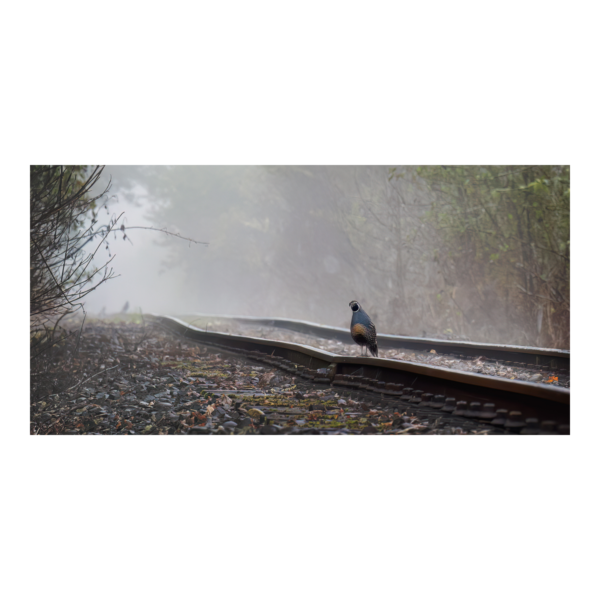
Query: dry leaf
pixel 265 378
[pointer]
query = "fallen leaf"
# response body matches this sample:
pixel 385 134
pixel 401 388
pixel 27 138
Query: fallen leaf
pixel 255 413
pixel 265 378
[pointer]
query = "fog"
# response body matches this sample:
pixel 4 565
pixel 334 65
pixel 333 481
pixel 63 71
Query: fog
pixel 301 242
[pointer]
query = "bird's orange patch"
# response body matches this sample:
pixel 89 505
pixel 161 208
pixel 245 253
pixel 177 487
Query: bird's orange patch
pixel 359 329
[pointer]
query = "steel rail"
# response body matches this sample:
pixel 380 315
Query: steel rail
pixel 529 355
pixel 388 378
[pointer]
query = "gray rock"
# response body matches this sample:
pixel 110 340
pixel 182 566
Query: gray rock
pixel 369 430
pixel 230 424
pixel 269 430
pixel 200 431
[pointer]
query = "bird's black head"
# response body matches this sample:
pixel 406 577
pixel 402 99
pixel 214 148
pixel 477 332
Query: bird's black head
pixel 354 305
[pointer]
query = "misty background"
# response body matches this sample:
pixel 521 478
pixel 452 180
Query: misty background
pixel 475 252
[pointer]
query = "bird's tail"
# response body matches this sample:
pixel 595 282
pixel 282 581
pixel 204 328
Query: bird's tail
pixel 373 349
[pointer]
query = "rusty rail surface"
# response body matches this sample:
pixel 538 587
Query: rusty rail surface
pixel 459 392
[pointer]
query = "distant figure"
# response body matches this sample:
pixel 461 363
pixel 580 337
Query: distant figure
pixel 362 329
pixel 125 308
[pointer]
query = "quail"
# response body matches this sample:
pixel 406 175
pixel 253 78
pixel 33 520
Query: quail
pixel 362 328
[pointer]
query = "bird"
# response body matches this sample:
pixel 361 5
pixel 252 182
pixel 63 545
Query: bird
pixel 362 329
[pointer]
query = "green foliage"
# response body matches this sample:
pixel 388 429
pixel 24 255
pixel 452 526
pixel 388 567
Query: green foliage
pixel 518 217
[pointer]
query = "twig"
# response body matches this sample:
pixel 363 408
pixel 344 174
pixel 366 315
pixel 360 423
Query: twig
pixel 165 231
pixel 94 375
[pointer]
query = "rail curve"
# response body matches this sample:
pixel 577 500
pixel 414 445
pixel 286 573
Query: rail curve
pixel 527 355
pixel 500 401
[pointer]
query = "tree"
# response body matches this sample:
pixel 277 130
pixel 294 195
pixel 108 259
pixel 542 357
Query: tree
pixel 61 271
pixel 502 237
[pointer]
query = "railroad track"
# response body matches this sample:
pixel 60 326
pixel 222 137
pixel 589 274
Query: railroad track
pixel 521 356
pixel 515 406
